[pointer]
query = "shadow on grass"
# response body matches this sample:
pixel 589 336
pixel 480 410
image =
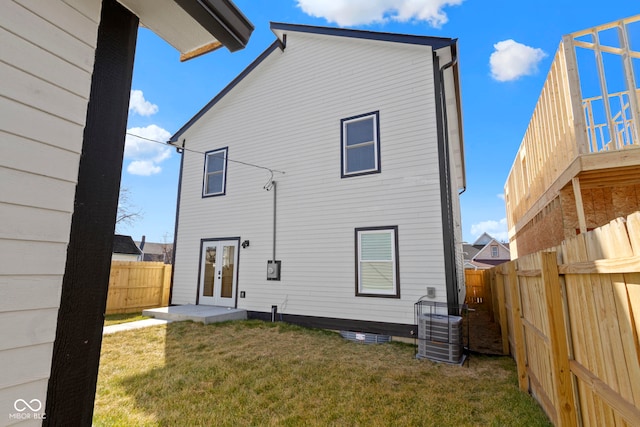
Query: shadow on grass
pixel 256 373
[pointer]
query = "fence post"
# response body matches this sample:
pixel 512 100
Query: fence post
pixel 494 293
pixel 166 284
pixel 566 406
pixel 502 309
pixel 518 331
pixel 486 284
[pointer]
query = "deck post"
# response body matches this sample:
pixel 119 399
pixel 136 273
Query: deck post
pixel 630 80
pixel 575 95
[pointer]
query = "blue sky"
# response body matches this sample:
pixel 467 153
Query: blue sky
pixel 505 50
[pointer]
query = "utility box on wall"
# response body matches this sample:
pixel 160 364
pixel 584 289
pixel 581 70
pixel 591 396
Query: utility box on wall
pixel 273 270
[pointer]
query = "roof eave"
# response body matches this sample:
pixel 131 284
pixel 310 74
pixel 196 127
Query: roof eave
pixel 434 42
pixel 222 19
pixel 193 27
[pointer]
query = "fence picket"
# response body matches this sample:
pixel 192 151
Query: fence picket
pixel 134 286
pixel 579 327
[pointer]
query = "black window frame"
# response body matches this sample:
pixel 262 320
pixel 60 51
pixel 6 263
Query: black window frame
pixel 343 145
pixel 224 172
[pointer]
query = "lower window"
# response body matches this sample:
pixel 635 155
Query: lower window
pixel 377 271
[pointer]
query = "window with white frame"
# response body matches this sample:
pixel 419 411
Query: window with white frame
pixel 360 143
pixel 377 272
pixel 215 173
pixel 494 251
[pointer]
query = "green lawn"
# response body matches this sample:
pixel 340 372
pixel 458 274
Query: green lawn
pixel 115 319
pixel 253 373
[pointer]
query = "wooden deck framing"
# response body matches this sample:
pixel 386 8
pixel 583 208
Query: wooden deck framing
pixel 575 143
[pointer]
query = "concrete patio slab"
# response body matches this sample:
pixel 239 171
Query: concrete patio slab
pixel 197 313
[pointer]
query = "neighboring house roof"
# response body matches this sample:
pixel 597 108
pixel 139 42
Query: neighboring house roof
pixel 280 42
pixel 160 252
pixel 476 265
pixel 125 245
pixel 470 251
pixel 479 256
pixel 483 240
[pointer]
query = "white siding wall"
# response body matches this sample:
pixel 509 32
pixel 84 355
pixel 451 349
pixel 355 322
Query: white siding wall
pixel 125 257
pixel 286 115
pixel 485 253
pixel 46 60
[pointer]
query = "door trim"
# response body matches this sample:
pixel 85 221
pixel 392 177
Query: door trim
pixel 218 239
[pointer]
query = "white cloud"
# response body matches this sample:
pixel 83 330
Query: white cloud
pixel 500 196
pixel 141 106
pixel 146 155
pixel 512 60
pixel 362 12
pixel 143 167
pixel 497 229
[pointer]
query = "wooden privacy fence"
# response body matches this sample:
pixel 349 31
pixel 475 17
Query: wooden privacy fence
pixel 134 286
pixel 478 286
pixel 570 318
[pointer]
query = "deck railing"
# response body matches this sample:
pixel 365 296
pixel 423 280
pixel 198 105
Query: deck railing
pixel 565 123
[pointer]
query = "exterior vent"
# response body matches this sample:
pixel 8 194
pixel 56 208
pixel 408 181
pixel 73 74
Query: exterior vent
pixel 365 337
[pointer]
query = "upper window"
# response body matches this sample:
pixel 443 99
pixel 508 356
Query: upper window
pixel 360 137
pixel 215 173
pixel 377 272
pixel 494 251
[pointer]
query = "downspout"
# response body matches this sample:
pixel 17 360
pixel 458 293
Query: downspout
pixel 445 188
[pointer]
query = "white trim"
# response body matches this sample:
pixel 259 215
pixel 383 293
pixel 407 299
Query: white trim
pixel 392 261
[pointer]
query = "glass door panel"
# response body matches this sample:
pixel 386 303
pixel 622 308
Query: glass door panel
pixel 228 264
pixel 208 284
pixel 218 273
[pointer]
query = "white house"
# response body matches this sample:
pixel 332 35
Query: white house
pixel 125 249
pixel 485 252
pixel 65 68
pixel 324 182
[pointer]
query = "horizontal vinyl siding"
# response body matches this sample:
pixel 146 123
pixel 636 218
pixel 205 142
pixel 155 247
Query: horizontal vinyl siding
pixel 286 115
pixel 47 56
pixel 31 387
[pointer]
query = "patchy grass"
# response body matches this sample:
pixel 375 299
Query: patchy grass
pixel 256 373
pixel 115 319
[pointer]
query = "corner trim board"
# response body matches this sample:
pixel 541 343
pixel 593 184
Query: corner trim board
pixel 76 349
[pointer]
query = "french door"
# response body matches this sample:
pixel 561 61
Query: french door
pixel 218 273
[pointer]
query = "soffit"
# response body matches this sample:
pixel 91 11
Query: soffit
pixel 193 27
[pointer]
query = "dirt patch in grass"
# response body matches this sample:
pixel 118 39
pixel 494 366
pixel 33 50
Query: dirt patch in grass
pixel 484 334
pixel 256 373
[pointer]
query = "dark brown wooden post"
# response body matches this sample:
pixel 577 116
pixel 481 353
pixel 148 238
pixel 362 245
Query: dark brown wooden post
pixel 76 350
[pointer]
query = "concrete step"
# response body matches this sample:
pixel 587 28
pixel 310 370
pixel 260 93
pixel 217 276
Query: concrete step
pixel 197 313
